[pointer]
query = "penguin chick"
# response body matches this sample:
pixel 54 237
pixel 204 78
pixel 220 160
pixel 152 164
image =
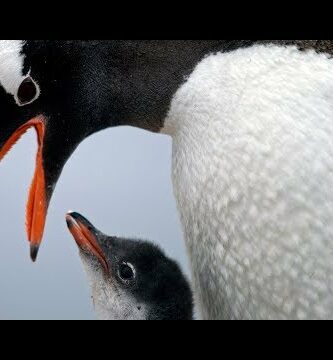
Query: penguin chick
pixel 130 279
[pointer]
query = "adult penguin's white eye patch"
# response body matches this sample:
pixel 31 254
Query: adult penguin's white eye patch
pixel 27 92
pixel 12 78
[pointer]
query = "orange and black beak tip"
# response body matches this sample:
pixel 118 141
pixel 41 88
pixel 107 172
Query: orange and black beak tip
pixel 69 221
pixel 34 252
pixel 37 202
pixel 85 236
pixel 70 218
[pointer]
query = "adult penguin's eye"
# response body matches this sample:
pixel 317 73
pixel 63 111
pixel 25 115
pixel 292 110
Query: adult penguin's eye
pixel 28 92
pixel 126 272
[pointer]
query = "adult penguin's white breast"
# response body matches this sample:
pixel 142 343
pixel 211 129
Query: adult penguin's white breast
pixel 253 174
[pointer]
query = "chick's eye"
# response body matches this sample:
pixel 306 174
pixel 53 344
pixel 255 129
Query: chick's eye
pixel 126 272
pixel 27 92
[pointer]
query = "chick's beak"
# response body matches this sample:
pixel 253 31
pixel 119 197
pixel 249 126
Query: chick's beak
pixel 84 234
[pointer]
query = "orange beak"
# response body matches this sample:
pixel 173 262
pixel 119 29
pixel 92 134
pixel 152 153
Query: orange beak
pixel 85 238
pixel 37 203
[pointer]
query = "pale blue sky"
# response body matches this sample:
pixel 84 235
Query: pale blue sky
pixel 120 179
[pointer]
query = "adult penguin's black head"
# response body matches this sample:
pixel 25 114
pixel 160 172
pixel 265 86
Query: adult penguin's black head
pixel 130 279
pixel 51 87
pixel 68 90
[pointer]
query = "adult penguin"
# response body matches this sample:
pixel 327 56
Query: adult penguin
pixel 252 125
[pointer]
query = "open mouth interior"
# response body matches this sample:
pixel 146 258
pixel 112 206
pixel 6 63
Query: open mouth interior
pixel 85 239
pixel 36 205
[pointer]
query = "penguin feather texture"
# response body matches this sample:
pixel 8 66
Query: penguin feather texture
pixel 11 65
pixel 253 174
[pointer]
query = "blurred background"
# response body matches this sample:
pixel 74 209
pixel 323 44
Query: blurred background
pixel 120 179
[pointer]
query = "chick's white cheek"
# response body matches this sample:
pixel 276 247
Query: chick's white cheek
pixel 111 301
pixel 115 303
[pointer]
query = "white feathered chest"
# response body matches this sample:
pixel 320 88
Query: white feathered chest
pixel 253 178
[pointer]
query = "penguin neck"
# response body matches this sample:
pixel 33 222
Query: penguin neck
pixel 140 78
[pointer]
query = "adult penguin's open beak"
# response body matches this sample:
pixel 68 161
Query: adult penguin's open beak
pixel 47 171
